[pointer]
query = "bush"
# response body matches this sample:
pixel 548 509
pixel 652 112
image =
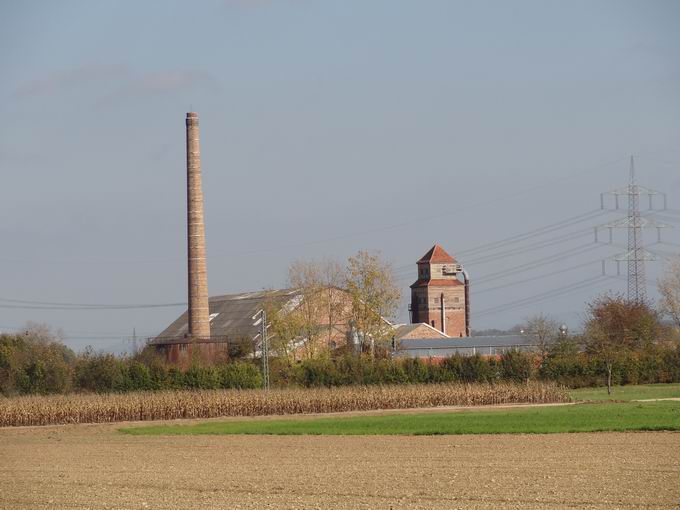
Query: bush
pixel 100 373
pixel 314 373
pixel 517 366
pixel 478 369
pixel 33 365
pixel 240 375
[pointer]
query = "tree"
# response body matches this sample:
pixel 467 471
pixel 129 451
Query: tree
pixel 42 333
pixel 334 299
pixel 307 279
pixel 669 288
pixel 545 330
pixel 615 326
pixel 284 329
pixel 374 297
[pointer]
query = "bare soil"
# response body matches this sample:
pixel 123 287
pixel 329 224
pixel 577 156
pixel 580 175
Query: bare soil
pixel 93 466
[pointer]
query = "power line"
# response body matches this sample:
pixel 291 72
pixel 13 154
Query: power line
pixel 520 237
pixel 532 247
pixel 578 250
pixel 545 296
pixel 535 232
pixel 349 235
pixel 539 277
pixel 57 305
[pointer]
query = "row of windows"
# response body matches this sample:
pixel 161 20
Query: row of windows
pixel 423 301
pixel 424 272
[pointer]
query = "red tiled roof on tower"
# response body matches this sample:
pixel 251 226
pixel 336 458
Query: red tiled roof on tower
pixel 437 255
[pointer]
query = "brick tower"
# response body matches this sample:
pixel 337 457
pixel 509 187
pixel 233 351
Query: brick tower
pixel 438 297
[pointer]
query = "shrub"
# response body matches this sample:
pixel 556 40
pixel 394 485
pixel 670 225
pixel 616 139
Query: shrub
pixel 315 373
pixel 100 373
pixel 517 366
pixel 240 375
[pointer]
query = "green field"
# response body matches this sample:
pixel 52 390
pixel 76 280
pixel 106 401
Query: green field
pixel 632 416
pixel 632 392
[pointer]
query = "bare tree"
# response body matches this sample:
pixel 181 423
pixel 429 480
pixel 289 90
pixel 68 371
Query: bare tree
pixel 669 288
pixel 335 299
pixel 374 297
pixel 545 330
pixel 42 333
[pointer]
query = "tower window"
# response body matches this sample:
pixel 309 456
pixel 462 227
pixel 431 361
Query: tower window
pixel 456 300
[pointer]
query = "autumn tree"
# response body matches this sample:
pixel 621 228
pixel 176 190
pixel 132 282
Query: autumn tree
pixel 669 288
pixel 615 326
pixel 309 323
pixel 307 279
pixel 374 297
pixel 284 328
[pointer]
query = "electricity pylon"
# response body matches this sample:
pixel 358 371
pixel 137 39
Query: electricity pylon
pixel 634 222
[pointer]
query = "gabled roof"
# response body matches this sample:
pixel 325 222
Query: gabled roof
pixel 437 255
pixel 405 329
pixel 231 315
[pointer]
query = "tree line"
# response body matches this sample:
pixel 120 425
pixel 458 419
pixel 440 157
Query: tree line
pixel 622 342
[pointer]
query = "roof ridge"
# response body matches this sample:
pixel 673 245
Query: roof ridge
pixel 437 254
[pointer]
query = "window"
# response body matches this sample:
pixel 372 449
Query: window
pixel 433 324
pixel 436 301
pixel 455 300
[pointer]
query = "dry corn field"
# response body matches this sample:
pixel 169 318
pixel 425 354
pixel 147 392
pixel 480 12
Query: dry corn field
pixel 166 405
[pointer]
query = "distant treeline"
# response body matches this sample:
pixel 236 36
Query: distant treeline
pixel 30 365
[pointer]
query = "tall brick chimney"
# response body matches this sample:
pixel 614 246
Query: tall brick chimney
pixel 199 312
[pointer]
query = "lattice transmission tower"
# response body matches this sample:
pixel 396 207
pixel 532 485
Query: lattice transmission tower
pixel 634 223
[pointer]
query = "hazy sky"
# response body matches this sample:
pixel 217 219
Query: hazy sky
pixel 327 127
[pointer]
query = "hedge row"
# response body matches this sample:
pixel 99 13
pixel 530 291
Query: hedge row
pixel 29 367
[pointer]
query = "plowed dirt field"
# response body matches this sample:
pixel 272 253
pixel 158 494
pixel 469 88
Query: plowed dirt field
pixel 93 466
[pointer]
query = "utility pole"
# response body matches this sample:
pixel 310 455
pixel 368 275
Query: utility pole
pixel 634 223
pixel 264 341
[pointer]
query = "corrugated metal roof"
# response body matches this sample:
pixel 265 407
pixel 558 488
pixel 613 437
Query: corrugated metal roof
pixel 470 341
pixel 231 315
pixel 469 346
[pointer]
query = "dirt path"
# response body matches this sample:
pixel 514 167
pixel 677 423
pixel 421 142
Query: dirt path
pixel 95 467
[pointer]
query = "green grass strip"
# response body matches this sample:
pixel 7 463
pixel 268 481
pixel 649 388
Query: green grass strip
pixel 631 392
pixel 537 420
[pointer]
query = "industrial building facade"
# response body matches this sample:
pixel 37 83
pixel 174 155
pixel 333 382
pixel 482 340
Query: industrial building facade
pixel 438 297
pixel 210 327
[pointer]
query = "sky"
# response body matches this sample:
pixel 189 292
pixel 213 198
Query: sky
pixel 327 128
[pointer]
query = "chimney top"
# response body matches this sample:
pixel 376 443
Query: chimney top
pixel 192 119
